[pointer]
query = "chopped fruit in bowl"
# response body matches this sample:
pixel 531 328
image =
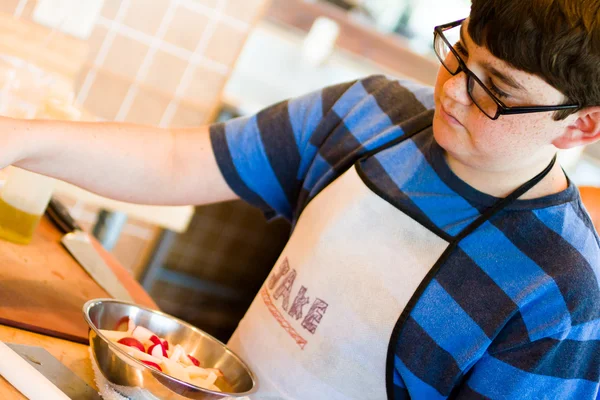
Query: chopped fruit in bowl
pixel 132 342
pixel 196 366
pixel 153 365
pixel 155 352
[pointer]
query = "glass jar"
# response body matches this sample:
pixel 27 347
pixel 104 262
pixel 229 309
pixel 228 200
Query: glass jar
pixel 27 92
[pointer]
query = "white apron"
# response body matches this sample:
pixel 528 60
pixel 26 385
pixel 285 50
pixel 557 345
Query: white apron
pixel 320 326
pixel 353 269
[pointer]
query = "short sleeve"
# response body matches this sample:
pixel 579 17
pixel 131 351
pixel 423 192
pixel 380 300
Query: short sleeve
pixel 278 158
pixel 261 156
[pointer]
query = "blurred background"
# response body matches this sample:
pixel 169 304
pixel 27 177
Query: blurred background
pixel 193 62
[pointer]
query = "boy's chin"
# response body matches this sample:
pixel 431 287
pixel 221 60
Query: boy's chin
pixel 449 138
pixel 443 133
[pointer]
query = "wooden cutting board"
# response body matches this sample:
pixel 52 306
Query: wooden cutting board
pixel 43 289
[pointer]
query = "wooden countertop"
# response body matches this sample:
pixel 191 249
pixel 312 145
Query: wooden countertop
pixel 73 355
pixel 45 286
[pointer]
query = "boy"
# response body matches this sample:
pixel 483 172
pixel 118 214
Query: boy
pixel 435 253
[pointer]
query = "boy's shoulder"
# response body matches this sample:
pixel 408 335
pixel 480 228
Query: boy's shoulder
pixel 388 92
pixel 358 116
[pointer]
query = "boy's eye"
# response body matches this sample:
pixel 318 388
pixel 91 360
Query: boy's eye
pixel 494 89
pixel 461 49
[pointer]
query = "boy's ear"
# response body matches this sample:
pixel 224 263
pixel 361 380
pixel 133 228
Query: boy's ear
pixel 585 129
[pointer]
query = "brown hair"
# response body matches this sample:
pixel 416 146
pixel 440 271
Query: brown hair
pixel 557 40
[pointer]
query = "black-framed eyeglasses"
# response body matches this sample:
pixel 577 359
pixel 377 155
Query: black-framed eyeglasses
pixel 479 93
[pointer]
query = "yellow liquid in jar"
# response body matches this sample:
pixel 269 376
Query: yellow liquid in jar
pixel 15 225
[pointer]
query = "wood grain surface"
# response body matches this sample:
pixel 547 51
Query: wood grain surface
pixel 43 289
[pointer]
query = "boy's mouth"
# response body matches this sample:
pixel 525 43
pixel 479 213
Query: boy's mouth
pixel 448 117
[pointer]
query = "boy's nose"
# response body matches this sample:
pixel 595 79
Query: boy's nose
pixel 456 89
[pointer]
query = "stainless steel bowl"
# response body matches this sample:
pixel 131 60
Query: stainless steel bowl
pixel 123 370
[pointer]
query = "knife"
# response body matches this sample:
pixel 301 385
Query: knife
pixel 79 244
pixel 56 372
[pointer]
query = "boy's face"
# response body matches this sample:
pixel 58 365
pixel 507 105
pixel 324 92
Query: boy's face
pixel 511 142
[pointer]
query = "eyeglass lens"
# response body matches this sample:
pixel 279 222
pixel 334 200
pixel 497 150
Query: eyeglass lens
pixel 478 94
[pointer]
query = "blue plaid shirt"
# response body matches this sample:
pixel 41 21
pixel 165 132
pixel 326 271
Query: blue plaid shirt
pixel 513 313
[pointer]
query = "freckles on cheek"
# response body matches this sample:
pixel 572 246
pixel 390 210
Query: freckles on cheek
pixel 505 137
pixel 478 128
pixel 489 136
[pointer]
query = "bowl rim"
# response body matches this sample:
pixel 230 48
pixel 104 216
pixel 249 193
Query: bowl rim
pixel 94 302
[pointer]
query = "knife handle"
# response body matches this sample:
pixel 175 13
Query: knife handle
pixel 59 214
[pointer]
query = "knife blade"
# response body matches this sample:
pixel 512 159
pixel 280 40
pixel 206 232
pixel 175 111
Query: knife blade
pixel 79 244
pixel 56 372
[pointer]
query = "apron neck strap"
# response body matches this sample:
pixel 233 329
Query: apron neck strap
pixel 502 203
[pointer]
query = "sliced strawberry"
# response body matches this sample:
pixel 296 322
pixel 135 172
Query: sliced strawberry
pixel 155 339
pixel 140 355
pixel 132 342
pixel 122 324
pixel 194 360
pixel 151 349
pixel 165 344
pixel 157 350
pixel 152 364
